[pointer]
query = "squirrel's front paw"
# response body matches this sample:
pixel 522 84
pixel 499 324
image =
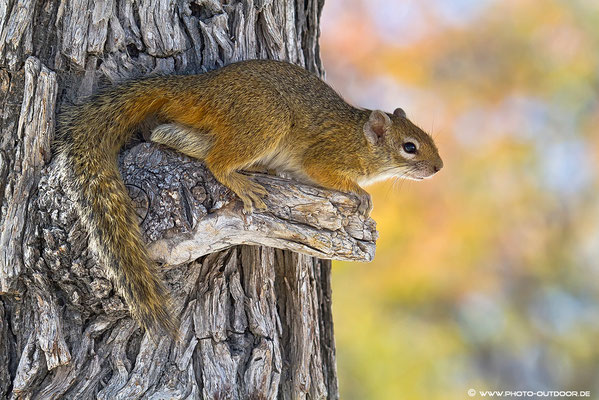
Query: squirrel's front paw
pixel 365 206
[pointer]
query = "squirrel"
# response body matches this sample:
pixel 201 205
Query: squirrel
pixel 263 113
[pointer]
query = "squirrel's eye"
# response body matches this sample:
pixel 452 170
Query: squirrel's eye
pixel 409 147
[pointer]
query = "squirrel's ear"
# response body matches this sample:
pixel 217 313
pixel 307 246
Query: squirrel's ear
pixel 399 112
pixel 376 126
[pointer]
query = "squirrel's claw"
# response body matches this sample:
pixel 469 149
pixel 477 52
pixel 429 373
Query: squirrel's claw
pixel 251 195
pixel 365 206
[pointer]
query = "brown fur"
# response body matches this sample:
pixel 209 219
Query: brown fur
pixel 246 114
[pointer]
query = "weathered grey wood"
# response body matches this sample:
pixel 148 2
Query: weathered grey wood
pixel 255 320
pixel 34 130
pixel 191 216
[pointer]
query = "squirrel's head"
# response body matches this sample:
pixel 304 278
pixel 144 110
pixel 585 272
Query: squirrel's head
pixel 409 152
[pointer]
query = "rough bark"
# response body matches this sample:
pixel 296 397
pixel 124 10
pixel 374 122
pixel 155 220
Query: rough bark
pixel 255 320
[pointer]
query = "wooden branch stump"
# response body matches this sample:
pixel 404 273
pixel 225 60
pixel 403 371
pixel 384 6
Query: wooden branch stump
pixel 191 215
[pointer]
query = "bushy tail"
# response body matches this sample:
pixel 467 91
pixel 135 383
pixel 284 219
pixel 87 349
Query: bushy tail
pixel 88 140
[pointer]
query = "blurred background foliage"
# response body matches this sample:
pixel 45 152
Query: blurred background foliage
pixel 486 276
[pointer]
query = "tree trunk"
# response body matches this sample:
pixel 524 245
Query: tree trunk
pixel 255 320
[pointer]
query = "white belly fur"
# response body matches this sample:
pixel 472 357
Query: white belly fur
pixel 282 162
pixel 369 180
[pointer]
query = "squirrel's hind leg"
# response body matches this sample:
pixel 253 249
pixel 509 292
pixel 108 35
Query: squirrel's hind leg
pixel 194 143
pixel 187 140
pixel 225 159
pixel 250 192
